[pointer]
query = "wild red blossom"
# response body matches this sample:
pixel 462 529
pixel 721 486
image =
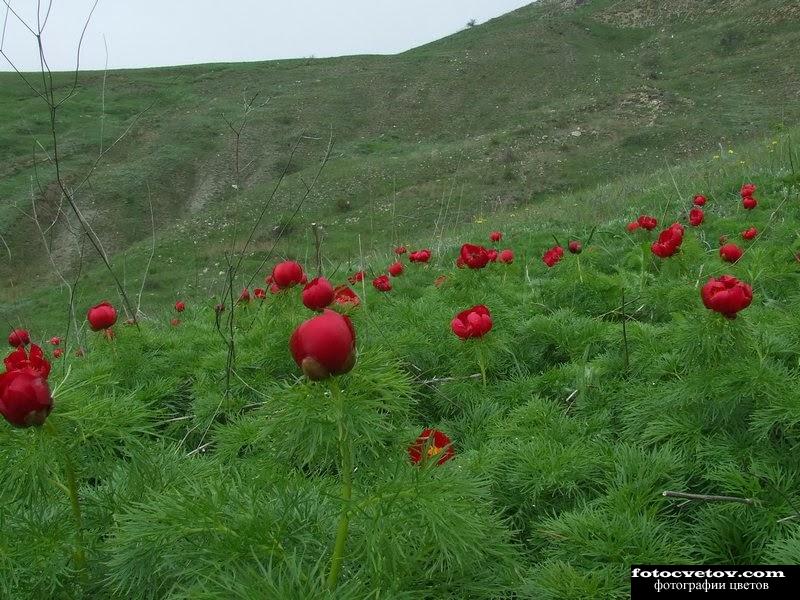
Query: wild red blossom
pixel 101 316
pixel 748 189
pixel 180 306
pixel 696 216
pixel 749 234
pixel 474 256
pixel 431 443
pixel 730 253
pixel 421 256
pixel 726 295
pixel 669 241
pixel 553 255
pixel 496 236
pixel 506 257
pixel 244 297
pixel 647 222
pixel 324 345
pixel 344 297
pixel 492 255
pixel 318 293
pixel 382 283
pixel 632 226
pixel 259 293
pixel 400 250
pixel 749 203
pixel 356 277
pixel 58 353
pixel 19 337
pixel 474 322
pixel 55 340
pixel 25 398
pixel 274 288
pixel 395 269
pixel 699 200
pixel 575 247
pixel 287 274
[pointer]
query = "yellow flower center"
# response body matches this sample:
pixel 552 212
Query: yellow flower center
pixel 433 451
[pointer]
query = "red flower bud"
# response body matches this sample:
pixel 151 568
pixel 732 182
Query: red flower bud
pixel 495 236
pixel 259 293
pixel 400 250
pixel 553 255
pixel 421 256
pixel 730 253
pixel 356 277
pixel 726 295
pixel 58 353
pixel 474 322
pixel 19 337
pixel 575 247
pixel 324 345
pixel 318 293
pixel 749 203
pixel 632 226
pixel 696 216
pixel 180 306
pixel 748 189
pixel 492 255
pixel 431 443
pixel 395 269
pixel 287 274
pixel 699 200
pixel 244 297
pixel 647 222
pixel 174 322
pixel 506 257
pixel 382 283
pixel 101 316
pixel 749 234
pixel 55 340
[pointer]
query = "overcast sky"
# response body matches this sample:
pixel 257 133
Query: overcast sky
pixel 147 33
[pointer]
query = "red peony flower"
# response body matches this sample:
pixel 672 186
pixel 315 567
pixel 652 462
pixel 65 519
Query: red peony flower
pixel 749 234
pixel 344 297
pixel 749 203
pixel 400 250
pixel 395 269
pixel 55 340
pixel 101 316
pixel 726 295
pixel 647 222
pixel 356 277
pixel 318 293
pixel 58 353
pixel 324 345
pixel 696 216
pixel 492 255
pixel 475 257
pixel 259 293
pixel 382 283
pixel 553 255
pixel 632 226
pixel 287 274
pixel 669 241
pixel 730 253
pixel 431 443
pixel 748 189
pixel 25 398
pixel 699 200
pixel 474 322
pixel 495 236
pixel 180 306
pixel 18 338
pixel 575 247
pixel 506 257
pixel 421 256
pixel 174 322
pixel 244 297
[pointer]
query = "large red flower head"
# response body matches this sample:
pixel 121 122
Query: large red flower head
pixel 474 322
pixel 553 255
pixel 475 257
pixel 287 274
pixel 696 216
pixel 699 200
pixel 647 222
pixel 345 298
pixel 395 269
pixel 382 283
pixel 749 203
pixel 101 316
pixel 748 189
pixel 420 256
pixel 400 250
pixel 324 345
pixel 749 234
pixel 356 277
pixel 575 247
pixel 180 306
pixel 25 398
pixel 431 443
pixel 669 241
pixel 244 297
pixel 259 293
pixel 495 236
pixel 726 295
pixel 318 293
pixel 730 253
pixel 506 257
pixel 18 338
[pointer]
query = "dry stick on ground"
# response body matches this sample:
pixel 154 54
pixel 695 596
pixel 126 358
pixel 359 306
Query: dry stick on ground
pixel 708 498
pixel 48 96
pixel 150 258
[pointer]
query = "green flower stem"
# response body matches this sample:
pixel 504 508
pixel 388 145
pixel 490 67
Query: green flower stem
pixel 580 273
pixel 345 452
pixel 481 364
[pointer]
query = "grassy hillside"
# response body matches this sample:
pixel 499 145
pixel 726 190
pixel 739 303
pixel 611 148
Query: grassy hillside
pixel 549 99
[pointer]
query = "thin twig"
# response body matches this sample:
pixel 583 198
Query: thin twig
pixel 708 498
